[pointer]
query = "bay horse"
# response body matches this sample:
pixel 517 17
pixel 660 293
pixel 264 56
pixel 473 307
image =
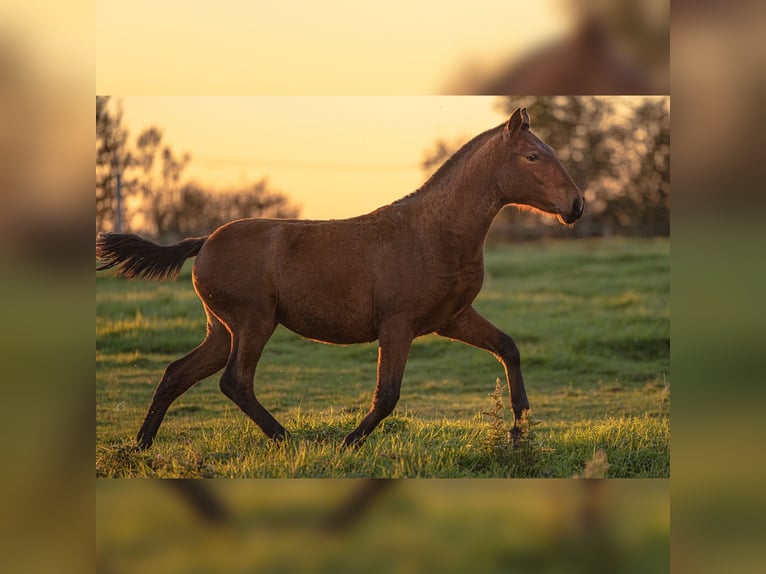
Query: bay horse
pixel 407 269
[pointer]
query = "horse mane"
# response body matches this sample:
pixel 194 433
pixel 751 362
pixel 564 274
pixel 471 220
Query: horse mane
pixel 448 165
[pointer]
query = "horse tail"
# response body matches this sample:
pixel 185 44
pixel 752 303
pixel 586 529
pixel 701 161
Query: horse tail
pixel 135 257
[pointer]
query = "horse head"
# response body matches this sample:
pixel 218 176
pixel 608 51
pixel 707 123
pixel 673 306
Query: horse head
pixel 532 175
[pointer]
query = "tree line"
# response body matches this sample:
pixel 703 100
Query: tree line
pixel 154 199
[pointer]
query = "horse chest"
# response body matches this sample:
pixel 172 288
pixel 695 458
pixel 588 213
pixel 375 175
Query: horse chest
pixel 449 297
pixel 465 288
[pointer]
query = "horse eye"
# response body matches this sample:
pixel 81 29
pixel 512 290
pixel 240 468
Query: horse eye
pixel 532 157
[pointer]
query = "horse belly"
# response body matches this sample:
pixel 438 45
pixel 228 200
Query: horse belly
pixel 327 311
pixel 327 323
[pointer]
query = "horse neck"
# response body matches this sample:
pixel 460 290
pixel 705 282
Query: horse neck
pixel 462 203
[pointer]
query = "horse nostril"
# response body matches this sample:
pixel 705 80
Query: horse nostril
pixel 578 206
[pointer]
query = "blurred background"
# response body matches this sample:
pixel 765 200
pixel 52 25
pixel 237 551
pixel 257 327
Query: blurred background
pixel 490 47
pixel 583 526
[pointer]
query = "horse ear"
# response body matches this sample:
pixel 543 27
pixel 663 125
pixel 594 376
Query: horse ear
pixel 524 119
pixel 519 120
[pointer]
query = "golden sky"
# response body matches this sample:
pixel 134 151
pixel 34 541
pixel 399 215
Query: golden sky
pixel 298 47
pixel 334 156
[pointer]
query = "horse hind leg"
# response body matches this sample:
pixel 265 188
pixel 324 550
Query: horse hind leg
pixel 237 379
pixel 207 359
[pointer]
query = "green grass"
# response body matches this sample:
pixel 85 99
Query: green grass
pixel 592 321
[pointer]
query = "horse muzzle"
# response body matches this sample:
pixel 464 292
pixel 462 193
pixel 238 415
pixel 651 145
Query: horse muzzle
pixel 575 212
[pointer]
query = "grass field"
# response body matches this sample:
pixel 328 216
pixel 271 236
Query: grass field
pixel 592 321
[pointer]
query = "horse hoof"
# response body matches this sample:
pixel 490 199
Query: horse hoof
pixel 280 437
pixel 144 441
pixel 353 441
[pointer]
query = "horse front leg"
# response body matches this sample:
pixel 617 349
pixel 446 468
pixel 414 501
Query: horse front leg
pixel 471 328
pixel 394 346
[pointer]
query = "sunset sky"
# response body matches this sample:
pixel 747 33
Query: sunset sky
pixel 334 156
pixel 297 47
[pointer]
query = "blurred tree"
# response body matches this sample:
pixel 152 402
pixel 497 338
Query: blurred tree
pixel 650 195
pixel 163 205
pixel 161 194
pixel 605 47
pixel 199 211
pixel 112 156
